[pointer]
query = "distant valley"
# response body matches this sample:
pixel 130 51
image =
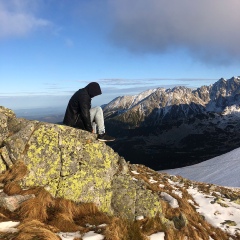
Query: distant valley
pixel 51 115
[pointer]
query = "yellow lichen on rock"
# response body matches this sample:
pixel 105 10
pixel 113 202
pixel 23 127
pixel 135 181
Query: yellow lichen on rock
pixel 43 158
pixel 92 181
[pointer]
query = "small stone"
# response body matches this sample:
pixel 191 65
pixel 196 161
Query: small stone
pixel 180 221
pixel 229 223
pixel 13 202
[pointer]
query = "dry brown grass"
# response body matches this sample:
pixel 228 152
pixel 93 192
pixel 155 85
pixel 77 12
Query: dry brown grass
pixel 7 215
pixel 152 225
pixel 29 230
pixel 65 206
pixel 123 229
pixel 12 188
pixel 33 209
pixel 15 172
pixel 65 223
pixel 3 217
pixel 66 214
pixel 41 194
pixel 85 209
pixel 94 219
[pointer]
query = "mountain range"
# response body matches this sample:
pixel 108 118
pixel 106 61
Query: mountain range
pixel 169 128
pixel 158 105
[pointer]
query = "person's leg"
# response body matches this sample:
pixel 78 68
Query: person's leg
pixel 96 115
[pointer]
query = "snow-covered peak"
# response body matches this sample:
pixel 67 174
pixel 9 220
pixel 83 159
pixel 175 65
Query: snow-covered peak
pixel 129 101
pixel 232 110
pixel 124 103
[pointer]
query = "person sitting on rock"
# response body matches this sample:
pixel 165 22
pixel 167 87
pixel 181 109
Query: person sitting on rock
pixel 79 113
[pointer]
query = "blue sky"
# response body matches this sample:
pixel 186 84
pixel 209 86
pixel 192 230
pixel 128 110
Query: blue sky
pixel 51 48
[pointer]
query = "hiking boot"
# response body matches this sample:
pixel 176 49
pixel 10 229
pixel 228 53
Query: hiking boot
pixel 105 138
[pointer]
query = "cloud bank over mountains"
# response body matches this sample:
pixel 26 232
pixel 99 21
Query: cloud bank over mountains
pixel 208 30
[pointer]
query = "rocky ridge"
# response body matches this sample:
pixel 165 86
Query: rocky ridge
pixel 155 106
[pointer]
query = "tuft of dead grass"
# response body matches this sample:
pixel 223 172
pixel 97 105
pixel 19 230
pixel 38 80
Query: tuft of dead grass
pixel 41 194
pixel 152 225
pixel 85 209
pixel 6 215
pixel 65 223
pixel 12 188
pixel 3 217
pixel 96 219
pixel 33 209
pixel 15 173
pixel 123 229
pixel 34 229
pixel 65 206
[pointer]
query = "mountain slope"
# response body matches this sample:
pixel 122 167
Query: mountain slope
pixel 222 170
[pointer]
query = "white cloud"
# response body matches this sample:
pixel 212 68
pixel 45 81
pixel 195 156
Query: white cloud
pixel 15 19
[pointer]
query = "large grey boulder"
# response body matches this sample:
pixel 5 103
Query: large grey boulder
pixel 71 163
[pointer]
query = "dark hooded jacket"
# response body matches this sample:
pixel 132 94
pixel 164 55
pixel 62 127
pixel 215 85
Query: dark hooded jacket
pixel 77 114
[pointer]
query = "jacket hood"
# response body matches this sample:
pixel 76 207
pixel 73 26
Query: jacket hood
pixel 93 89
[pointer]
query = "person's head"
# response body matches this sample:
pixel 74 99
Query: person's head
pixel 93 89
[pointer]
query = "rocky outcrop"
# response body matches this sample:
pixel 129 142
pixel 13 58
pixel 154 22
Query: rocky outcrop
pixel 71 163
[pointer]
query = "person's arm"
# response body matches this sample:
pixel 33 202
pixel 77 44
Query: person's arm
pixel 85 105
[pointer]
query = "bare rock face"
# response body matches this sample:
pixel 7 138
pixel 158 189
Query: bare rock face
pixel 71 163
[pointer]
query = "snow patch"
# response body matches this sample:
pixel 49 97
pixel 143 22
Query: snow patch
pixel 134 172
pixel 69 235
pixel 151 180
pixel 157 236
pixel 220 216
pixel 222 170
pixel 9 226
pixel 171 200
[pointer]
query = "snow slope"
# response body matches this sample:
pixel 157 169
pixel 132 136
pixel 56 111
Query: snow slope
pixel 223 170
